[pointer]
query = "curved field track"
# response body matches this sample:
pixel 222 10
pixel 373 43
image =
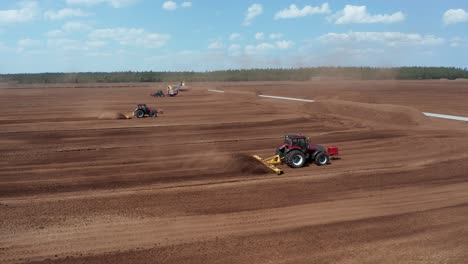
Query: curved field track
pixel 79 184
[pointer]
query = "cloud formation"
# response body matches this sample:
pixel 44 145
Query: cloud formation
pixel 294 12
pixel 172 5
pixel 454 16
pixel 64 13
pixel 284 44
pixel 23 44
pixel 75 26
pixel 234 36
pixel 259 35
pixel 384 38
pixel 276 36
pixel 359 15
pixel 252 12
pixel 216 45
pixel 113 3
pixel 26 12
pixel 130 37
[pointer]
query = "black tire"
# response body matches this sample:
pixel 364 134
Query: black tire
pixel 153 113
pixel 322 159
pixel 139 113
pixel 295 159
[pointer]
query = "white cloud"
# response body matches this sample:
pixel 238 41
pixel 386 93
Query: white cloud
pixel 65 44
pixel 27 43
pixel 234 50
pixel 358 15
pixel 113 3
pixel 284 44
pixel 357 53
pixel 216 45
pixel 457 42
pixel 67 28
pixel 186 52
pixel 234 36
pixel 76 45
pixel 186 4
pixel 169 5
pixel 384 38
pixel 252 12
pixel 55 33
pixel 454 16
pixel 276 36
pixel 172 5
pixel 27 12
pixel 234 47
pixel 96 43
pixel 294 12
pixel 64 13
pixel 259 35
pixel 99 54
pixel 262 47
pixel 75 26
pixel 130 37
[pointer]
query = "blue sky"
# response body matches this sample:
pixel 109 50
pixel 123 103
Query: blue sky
pixel 199 35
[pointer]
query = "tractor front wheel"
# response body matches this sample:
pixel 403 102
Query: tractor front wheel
pixel 154 113
pixel 295 159
pixel 139 113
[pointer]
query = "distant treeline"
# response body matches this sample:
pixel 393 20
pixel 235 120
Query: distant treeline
pixel 299 74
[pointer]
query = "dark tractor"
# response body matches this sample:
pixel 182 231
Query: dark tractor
pixel 158 94
pixel 142 110
pixel 296 151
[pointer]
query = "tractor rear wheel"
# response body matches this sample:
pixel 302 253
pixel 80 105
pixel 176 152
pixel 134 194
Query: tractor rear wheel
pixel 295 159
pixel 322 159
pixel 139 113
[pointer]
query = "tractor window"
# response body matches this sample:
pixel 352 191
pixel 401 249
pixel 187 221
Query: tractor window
pixel 287 141
pixel 301 142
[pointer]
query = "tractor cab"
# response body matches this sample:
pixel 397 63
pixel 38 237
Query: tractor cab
pixel 296 141
pixel 143 107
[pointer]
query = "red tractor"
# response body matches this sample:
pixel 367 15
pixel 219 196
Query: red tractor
pixel 142 110
pixel 296 151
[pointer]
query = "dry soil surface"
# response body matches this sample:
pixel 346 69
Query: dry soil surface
pixel 81 184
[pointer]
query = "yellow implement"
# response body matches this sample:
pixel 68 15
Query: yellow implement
pixel 271 162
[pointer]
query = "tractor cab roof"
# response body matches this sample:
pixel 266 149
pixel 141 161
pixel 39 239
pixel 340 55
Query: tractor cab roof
pixel 293 136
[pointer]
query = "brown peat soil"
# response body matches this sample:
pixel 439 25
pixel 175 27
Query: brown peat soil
pixel 81 184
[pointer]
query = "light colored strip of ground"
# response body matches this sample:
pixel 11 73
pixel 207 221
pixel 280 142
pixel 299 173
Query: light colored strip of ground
pixel 287 98
pixel 451 117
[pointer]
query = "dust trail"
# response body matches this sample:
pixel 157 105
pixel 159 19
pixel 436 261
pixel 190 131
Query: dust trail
pixel 246 164
pixel 113 116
